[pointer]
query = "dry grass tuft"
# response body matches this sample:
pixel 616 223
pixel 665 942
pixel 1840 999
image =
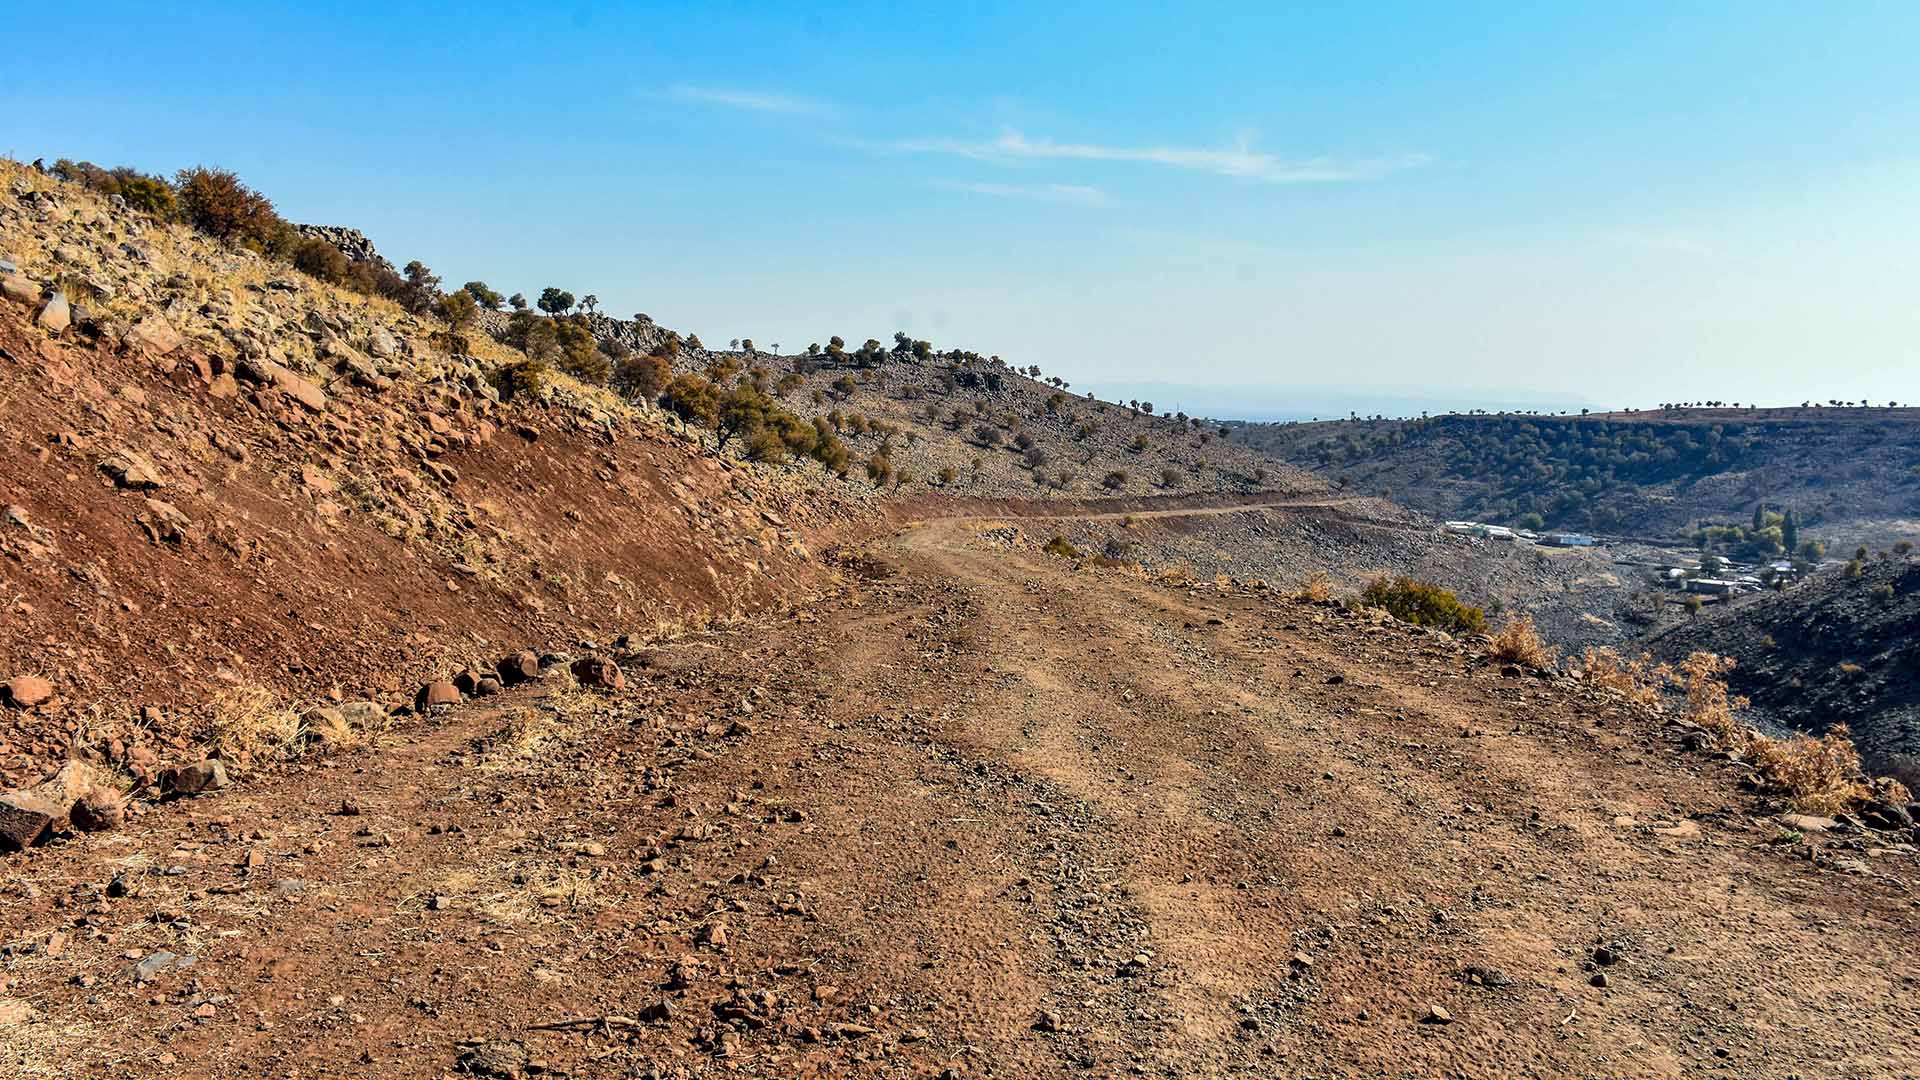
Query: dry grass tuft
pixel 250 723
pixel 1637 680
pixel 1519 643
pixel 1317 589
pixel 1702 676
pixel 326 729
pixel 1820 776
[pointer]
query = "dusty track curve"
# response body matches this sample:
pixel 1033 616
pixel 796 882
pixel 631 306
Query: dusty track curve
pixel 992 814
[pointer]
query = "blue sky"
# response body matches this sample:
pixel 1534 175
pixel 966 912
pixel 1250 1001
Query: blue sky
pixel 1616 203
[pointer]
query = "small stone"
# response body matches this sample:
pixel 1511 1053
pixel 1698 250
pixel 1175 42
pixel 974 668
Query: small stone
pixel 99 810
pixel 201 776
pixel 516 668
pixel 438 692
pixel 26 691
pixel 1437 1014
pixel 1599 979
pixel 600 673
pixel 57 315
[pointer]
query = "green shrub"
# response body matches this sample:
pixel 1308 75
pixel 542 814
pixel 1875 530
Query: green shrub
pixel 765 446
pixel 483 294
pixel 522 378
pixel 321 261
pixel 218 204
pixel 642 376
pixel 1423 604
pixel 692 399
pixel 147 194
pixel 828 450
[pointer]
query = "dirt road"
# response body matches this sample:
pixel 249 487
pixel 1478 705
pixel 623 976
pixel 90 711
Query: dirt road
pixel 987 815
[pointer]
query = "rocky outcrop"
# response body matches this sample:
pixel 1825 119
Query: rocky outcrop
pixel 352 242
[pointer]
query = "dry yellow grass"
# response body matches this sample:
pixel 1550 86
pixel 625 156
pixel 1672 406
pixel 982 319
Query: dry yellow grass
pixel 1819 776
pixel 1638 680
pixel 249 725
pixel 1519 643
pixel 1317 589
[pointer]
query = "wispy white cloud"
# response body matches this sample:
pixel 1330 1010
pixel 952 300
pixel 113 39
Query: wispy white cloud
pixel 1078 194
pixel 750 100
pixel 1237 160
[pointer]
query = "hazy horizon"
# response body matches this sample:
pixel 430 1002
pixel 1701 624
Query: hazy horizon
pixel 1607 206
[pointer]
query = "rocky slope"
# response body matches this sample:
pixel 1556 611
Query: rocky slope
pixel 1852 475
pixel 967 428
pixel 226 479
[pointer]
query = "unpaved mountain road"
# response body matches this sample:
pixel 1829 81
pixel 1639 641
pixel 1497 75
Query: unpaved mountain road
pixel 984 815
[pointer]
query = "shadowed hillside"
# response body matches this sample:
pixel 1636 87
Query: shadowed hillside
pixel 1851 473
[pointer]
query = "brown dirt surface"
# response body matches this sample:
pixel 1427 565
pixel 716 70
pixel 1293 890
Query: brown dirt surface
pixel 357 551
pixel 985 813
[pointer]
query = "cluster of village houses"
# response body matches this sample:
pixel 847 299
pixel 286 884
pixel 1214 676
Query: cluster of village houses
pixel 1711 575
pixel 1519 536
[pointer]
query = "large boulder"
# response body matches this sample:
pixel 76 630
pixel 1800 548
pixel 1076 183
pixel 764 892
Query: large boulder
pixel 99 810
pixel 19 289
pixel 76 793
pixel 269 373
pixel 131 470
pixel 24 819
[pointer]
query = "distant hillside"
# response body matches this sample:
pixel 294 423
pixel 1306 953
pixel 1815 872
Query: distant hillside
pixel 1839 649
pixel 1852 473
pixel 961 424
